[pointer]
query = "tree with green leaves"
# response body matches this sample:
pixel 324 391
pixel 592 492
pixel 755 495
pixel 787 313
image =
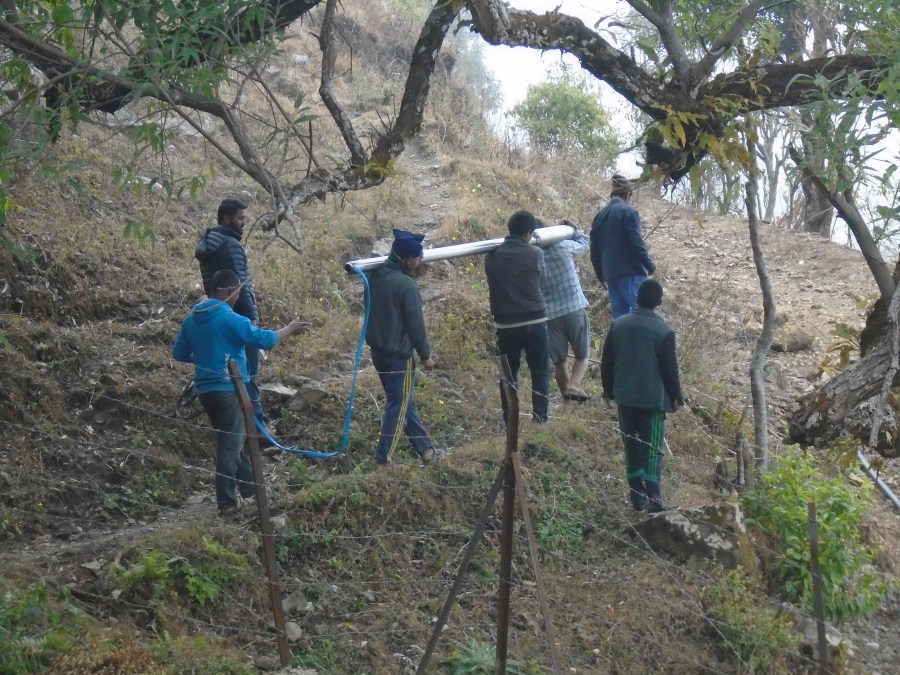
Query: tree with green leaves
pixel 564 115
pixel 64 61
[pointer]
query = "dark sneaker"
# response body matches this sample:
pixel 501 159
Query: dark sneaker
pixel 640 505
pixel 231 511
pixel 658 506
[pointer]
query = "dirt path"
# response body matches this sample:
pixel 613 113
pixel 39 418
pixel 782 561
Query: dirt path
pixel 432 192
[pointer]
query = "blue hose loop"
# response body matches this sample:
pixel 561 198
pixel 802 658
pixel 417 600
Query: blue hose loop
pixel 348 416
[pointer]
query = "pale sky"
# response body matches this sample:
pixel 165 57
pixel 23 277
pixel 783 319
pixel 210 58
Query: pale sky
pixel 516 68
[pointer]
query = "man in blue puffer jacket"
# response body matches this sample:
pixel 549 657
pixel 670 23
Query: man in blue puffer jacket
pixel 211 335
pixel 220 249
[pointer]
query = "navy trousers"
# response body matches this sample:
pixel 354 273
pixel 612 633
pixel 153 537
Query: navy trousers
pixel 535 340
pixel 397 375
pixel 232 465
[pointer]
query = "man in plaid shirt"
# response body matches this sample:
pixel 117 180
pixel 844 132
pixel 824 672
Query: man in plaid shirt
pixel 567 320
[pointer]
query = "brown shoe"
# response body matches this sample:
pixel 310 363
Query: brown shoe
pixel 230 511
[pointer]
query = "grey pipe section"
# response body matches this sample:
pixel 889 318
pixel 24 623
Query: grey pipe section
pixel 543 237
pixel 874 476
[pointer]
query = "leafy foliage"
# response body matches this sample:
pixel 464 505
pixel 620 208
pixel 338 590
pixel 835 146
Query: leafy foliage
pixel 478 658
pixel 753 630
pixel 564 114
pixel 778 504
pixel 31 631
pixel 155 574
pixel 561 521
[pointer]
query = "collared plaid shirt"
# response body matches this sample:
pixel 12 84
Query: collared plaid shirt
pixel 559 283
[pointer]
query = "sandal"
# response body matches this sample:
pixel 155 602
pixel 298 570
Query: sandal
pixel 577 394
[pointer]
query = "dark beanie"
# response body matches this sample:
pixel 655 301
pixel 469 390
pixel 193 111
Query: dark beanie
pixel 649 294
pixel 520 222
pixel 407 244
pixel 620 185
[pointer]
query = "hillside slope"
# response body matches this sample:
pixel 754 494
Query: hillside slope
pixel 107 495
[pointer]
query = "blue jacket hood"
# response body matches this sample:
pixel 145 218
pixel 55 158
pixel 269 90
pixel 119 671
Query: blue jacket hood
pixel 207 309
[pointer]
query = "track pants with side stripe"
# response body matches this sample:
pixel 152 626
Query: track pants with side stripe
pixel 397 375
pixel 643 432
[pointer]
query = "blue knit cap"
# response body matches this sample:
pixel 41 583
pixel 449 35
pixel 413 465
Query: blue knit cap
pixel 407 244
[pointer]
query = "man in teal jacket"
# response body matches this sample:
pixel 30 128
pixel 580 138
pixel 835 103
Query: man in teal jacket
pixel 639 371
pixel 396 332
pixel 212 335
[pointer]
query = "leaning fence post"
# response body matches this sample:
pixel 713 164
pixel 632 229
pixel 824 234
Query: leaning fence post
pixel 262 502
pixel 818 603
pixel 508 513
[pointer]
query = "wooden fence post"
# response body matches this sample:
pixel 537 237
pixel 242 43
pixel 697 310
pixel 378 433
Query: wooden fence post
pixel 262 503
pixel 818 603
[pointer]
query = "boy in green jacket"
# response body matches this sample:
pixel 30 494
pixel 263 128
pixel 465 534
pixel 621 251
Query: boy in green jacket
pixel 639 371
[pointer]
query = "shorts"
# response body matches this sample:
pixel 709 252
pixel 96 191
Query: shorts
pixel 569 329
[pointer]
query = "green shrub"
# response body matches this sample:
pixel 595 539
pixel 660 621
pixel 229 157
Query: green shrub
pixel 155 574
pixel 562 516
pixel 477 658
pixel 323 658
pixel 778 504
pixel 752 630
pixel 31 631
pixel 219 565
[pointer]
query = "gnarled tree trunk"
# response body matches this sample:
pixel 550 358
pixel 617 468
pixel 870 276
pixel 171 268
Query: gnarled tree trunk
pixel 822 415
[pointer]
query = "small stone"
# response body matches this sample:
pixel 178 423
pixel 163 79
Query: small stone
pixel 266 663
pixel 293 601
pixel 94 566
pixel 293 631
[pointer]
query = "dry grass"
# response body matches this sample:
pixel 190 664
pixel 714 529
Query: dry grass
pixel 374 550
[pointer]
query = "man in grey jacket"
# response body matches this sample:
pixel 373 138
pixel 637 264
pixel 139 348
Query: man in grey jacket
pixel 395 332
pixel 514 271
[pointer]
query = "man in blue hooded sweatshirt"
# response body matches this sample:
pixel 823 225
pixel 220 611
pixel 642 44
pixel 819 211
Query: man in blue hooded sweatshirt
pixel 212 335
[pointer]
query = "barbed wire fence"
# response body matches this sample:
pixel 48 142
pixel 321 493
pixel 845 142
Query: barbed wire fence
pixel 331 620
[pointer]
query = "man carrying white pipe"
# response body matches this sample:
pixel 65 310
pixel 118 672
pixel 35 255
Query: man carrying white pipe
pixel 514 270
pixel 567 320
pixel 396 331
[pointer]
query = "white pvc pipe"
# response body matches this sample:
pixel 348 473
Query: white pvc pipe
pixel 543 237
pixel 875 477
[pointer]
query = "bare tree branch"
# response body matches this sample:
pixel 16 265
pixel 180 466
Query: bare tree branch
pixel 390 145
pixel 664 22
pixel 764 342
pixel 340 117
pixel 726 40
